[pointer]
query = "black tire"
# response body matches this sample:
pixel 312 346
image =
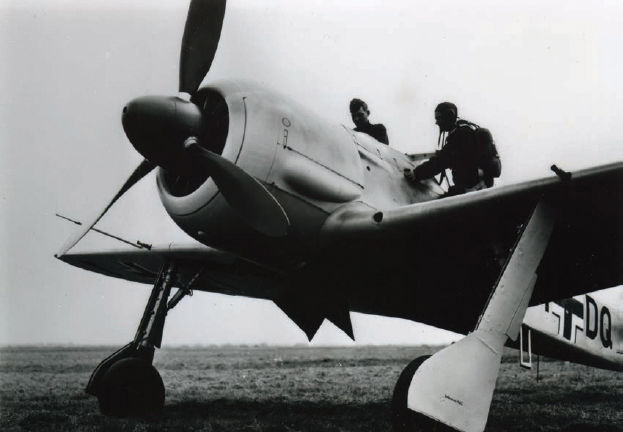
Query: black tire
pixel 403 419
pixel 131 387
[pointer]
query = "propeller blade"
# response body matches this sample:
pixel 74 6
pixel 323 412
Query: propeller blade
pixel 247 196
pixel 141 171
pixel 201 36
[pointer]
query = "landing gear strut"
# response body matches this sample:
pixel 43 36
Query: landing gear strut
pixel 452 389
pixel 403 419
pixel 126 383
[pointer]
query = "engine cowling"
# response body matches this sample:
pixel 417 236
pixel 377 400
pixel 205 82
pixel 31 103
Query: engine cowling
pixel 309 165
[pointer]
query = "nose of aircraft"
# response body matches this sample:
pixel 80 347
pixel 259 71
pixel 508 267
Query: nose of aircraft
pixel 158 125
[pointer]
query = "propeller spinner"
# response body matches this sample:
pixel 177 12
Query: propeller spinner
pixel 159 126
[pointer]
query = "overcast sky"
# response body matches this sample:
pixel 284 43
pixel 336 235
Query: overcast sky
pixel 545 77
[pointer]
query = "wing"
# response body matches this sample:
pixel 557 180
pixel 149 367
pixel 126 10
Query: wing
pixel 436 262
pixel 212 269
pixel 432 262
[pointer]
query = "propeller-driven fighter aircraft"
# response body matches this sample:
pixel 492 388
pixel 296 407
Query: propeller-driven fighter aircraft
pixel 320 219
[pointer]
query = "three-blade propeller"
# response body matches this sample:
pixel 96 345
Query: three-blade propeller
pixel 248 197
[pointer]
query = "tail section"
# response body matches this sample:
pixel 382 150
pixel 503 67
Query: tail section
pixel 582 329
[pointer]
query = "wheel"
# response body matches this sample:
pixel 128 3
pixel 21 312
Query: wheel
pixel 131 387
pixel 403 419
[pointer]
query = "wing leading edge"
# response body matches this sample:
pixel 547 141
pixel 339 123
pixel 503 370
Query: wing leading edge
pixel 446 254
pixel 210 269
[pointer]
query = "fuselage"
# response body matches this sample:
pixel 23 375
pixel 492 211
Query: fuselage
pixel 311 166
pixel 582 329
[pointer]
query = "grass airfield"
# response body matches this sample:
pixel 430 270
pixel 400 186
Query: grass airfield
pixel 268 389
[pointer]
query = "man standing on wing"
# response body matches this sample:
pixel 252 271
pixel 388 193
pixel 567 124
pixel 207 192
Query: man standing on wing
pixel 468 151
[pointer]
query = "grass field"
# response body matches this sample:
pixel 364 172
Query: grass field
pixel 290 389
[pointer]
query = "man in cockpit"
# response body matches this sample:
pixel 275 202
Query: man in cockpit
pixel 359 112
pixel 468 151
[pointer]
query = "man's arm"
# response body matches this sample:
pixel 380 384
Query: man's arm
pixel 430 168
pixel 382 134
pixel 426 170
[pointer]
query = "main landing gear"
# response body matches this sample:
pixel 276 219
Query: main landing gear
pixel 452 389
pixel 126 383
pixel 403 419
